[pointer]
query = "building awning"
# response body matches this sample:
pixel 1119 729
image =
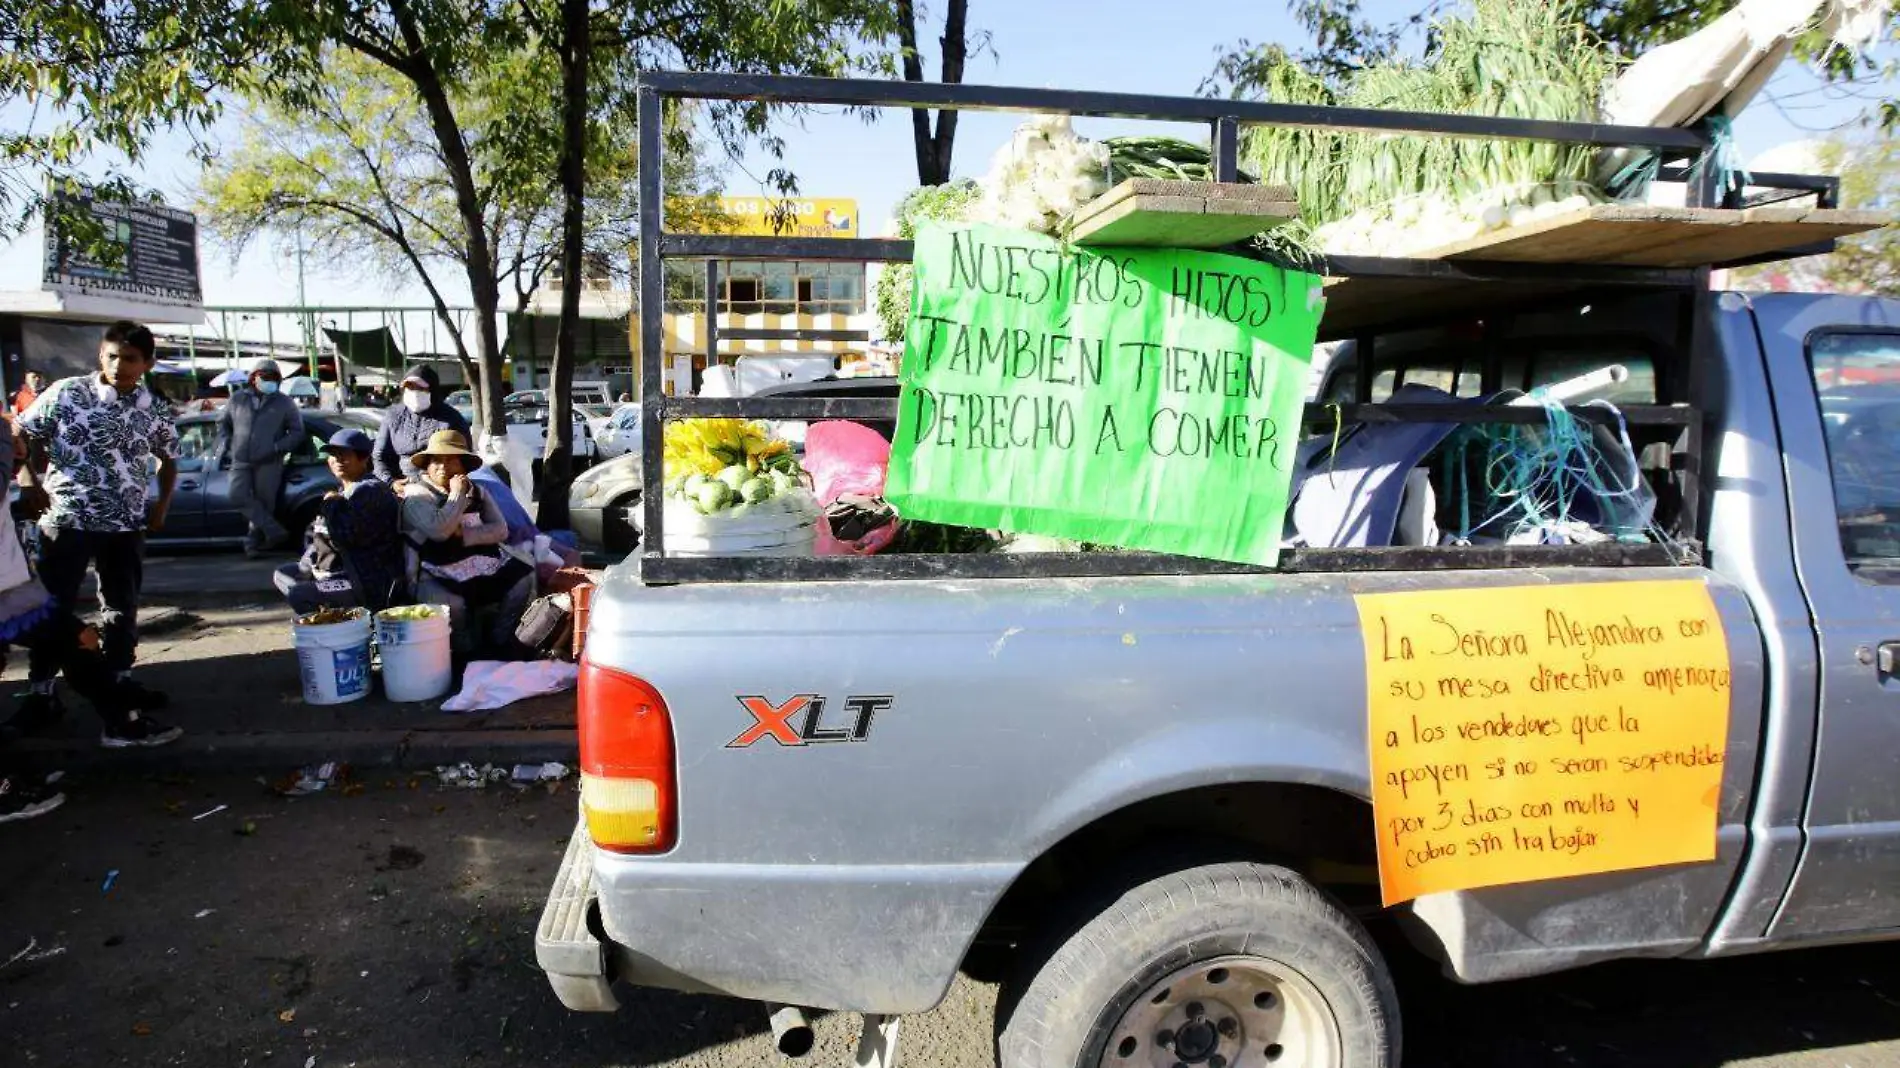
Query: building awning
pixel 375 347
pixel 531 338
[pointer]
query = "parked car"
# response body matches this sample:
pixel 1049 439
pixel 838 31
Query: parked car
pixel 597 415
pixel 463 401
pixel 529 426
pixel 619 433
pixel 599 504
pixel 201 510
pixel 831 388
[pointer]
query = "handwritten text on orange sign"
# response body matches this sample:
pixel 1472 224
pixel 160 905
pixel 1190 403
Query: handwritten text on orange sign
pixel 1529 733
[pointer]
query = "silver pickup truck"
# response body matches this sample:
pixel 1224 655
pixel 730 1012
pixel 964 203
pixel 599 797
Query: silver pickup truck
pixel 1115 791
pixel 1137 790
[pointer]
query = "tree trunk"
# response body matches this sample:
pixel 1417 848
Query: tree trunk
pixel 484 288
pixel 934 147
pixel 557 470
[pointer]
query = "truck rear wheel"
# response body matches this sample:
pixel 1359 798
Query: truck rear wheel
pixel 1227 966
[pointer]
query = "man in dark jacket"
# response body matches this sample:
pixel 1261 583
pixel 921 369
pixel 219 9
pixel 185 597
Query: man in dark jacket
pixel 408 425
pixel 259 426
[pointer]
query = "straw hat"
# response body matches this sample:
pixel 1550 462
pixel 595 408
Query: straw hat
pixel 448 443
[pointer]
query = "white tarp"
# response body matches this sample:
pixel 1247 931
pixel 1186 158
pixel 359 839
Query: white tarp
pixel 1720 68
pixel 1723 65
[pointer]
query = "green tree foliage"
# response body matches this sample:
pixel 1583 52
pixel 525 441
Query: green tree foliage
pixel 1869 168
pixel 354 164
pixel 1870 178
pixel 89 83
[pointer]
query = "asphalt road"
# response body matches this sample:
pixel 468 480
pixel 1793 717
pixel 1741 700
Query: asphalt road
pixel 394 926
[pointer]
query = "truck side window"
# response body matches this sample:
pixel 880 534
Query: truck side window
pixel 1857 381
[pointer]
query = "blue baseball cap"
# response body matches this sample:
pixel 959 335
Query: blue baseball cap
pixel 351 440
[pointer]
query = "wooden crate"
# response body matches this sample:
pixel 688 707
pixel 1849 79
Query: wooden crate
pixel 1160 213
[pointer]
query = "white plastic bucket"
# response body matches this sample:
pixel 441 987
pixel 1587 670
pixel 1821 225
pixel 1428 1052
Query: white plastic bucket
pixel 416 664
pixel 333 659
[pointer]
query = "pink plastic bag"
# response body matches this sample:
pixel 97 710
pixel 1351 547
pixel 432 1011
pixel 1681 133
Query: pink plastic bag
pixel 846 458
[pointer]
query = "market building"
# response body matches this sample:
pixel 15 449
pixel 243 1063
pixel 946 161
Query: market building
pixel 753 296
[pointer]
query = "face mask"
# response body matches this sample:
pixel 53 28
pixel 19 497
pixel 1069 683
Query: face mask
pixel 267 387
pixel 415 400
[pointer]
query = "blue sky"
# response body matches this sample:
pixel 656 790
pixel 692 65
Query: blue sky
pixel 1119 45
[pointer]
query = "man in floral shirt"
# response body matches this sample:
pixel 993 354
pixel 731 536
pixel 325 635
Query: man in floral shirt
pixel 94 439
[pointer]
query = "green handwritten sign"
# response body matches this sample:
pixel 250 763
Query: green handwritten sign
pixel 1141 398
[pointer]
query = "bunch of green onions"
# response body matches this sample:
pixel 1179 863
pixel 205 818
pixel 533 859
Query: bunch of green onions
pixel 1506 58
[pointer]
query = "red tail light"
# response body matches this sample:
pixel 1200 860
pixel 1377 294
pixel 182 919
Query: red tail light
pixel 626 734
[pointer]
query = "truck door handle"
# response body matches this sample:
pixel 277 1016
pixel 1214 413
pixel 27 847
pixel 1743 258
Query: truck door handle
pixel 1887 657
pixel 188 484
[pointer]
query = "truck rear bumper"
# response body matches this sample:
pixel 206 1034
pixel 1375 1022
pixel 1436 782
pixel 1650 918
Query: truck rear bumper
pixel 873 939
pixel 565 944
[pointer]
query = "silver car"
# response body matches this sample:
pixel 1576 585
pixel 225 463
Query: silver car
pixel 601 501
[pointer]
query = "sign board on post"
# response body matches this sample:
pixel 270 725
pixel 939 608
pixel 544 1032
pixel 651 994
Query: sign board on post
pixel 1142 398
pixel 157 260
pixel 1540 732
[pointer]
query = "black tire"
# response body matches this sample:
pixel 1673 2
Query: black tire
pixel 300 521
pixel 1064 1015
pixel 617 536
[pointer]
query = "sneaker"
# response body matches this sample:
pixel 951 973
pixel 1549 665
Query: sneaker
pixel 23 801
pixel 35 713
pixel 136 695
pixel 139 732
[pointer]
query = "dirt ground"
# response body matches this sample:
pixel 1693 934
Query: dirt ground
pixel 394 926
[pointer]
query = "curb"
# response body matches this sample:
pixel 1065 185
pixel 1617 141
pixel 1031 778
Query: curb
pixel 406 750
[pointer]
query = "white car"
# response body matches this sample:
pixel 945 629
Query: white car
pixel 530 427
pixel 620 434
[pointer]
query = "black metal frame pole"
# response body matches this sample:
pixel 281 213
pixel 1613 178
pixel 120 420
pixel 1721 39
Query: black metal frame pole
pixel 1226 150
pixel 1699 309
pixel 712 312
pixel 652 325
pixel 868 92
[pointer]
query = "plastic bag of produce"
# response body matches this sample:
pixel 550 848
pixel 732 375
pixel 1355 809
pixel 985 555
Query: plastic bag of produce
pixel 847 460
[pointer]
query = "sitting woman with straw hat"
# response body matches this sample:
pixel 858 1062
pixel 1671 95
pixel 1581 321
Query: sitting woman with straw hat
pixel 457 549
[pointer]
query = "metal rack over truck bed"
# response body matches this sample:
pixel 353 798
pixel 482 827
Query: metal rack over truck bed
pixel 1372 296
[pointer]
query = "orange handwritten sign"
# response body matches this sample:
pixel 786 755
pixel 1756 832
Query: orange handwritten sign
pixel 1539 732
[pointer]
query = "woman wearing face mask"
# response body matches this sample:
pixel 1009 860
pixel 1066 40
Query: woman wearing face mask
pixel 259 426
pixel 408 426
pixel 457 548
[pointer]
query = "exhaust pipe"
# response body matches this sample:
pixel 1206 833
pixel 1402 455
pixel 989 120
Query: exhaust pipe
pixel 791 1032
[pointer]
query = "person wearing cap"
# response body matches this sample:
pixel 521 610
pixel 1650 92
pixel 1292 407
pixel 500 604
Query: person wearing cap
pixel 409 425
pixel 458 550
pixel 258 428
pixel 352 551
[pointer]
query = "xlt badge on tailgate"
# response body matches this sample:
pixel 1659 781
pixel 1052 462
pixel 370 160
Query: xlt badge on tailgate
pixel 774 721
